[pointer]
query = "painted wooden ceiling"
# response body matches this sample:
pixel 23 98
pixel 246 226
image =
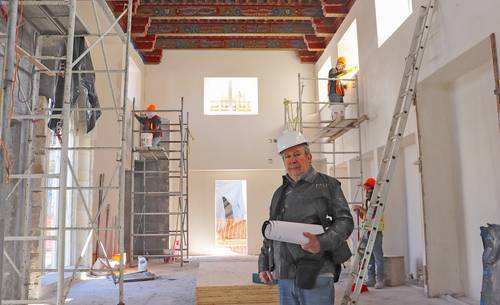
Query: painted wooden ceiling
pixel 302 25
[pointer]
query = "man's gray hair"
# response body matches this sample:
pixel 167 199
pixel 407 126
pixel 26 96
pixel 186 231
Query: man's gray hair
pixel 307 150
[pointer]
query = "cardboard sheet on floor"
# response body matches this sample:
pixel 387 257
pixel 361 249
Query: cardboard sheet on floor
pixel 139 276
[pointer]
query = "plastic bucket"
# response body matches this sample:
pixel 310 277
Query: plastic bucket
pixel 146 139
pixel 142 264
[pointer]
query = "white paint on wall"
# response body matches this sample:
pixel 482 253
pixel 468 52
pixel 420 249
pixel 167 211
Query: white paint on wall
pixel 458 26
pixel 348 46
pixel 414 209
pixel 478 162
pixel 229 142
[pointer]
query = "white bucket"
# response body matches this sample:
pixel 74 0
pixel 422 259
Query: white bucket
pixel 146 139
pixel 142 264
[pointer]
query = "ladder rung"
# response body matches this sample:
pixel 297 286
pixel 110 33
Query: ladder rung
pixel 407 93
pixel 395 137
pixel 402 114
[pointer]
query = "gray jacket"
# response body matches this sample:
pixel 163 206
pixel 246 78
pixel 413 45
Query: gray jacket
pixel 315 199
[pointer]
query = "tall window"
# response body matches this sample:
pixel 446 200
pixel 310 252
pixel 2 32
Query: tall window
pixel 323 84
pixel 52 203
pixel 348 48
pixel 390 15
pixel 231 216
pixel 231 96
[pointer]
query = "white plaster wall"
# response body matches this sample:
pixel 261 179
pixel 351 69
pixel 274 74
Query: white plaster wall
pixel 230 141
pixel 467 120
pixel 413 197
pixel 439 172
pixel 108 130
pixel 458 25
pixel 478 161
pixel 395 220
pixel 226 147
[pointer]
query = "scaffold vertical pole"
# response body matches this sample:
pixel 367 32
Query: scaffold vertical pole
pixel 121 203
pixel 7 85
pixel 61 215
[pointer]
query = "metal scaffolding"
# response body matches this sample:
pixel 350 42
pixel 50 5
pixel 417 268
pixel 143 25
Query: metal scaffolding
pixel 66 177
pixel 159 190
pixel 324 131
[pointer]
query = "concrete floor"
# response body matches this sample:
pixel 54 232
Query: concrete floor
pixel 176 286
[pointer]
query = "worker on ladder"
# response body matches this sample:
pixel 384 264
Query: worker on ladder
pixel 151 123
pixel 375 276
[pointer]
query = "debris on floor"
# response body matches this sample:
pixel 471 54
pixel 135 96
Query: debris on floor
pixel 139 276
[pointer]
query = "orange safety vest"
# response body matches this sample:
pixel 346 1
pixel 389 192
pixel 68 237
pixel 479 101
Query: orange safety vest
pixel 339 89
pixel 151 125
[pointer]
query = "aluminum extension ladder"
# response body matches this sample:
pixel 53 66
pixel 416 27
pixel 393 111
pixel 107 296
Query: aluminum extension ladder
pixel 376 208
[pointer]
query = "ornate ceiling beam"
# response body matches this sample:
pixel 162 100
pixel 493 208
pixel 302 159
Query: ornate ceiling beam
pixel 140 25
pixel 227 11
pixel 308 57
pixel 121 5
pixel 315 43
pixel 151 57
pixel 334 11
pixel 230 43
pixel 230 28
pixel 146 43
pixel 326 27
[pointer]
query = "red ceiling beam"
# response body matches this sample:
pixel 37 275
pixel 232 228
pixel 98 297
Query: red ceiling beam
pixel 325 27
pixel 332 8
pixel 227 11
pixel 308 57
pixel 140 25
pixel 152 57
pixel 120 5
pixel 146 43
pixel 230 43
pixel 315 43
pixel 230 27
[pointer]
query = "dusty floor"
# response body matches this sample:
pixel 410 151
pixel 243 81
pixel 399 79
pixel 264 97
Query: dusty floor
pixel 176 286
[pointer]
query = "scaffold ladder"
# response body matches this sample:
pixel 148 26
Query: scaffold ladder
pixel 376 208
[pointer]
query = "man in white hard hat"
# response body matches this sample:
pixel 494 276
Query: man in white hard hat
pixel 305 273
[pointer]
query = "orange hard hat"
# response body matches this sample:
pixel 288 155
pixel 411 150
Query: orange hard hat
pixel 151 107
pixel 341 60
pixel 369 183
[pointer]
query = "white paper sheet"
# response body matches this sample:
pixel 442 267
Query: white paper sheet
pixel 290 232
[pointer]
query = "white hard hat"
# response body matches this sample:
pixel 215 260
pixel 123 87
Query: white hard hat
pixel 289 139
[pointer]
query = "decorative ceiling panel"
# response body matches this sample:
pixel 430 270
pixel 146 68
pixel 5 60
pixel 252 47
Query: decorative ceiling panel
pixel 302 25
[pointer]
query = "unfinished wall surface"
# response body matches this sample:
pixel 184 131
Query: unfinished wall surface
pixel 17 210
pixel 414 210
pixel 228 141
pixel 226 146
pixel 458 26
pixel 477 147
pixel 469 123
pixel 109 90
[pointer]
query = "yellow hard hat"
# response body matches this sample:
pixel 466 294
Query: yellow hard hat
pixel 341 60
pixel 151 107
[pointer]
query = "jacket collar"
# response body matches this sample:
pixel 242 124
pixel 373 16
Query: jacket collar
pixel 307 176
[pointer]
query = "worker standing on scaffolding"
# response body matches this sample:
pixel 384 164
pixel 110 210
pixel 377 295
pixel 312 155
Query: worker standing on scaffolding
pixel 151 123
pixel 336 89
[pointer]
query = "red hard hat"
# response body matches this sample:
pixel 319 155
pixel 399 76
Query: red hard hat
pixel 151 107
pixel 369 183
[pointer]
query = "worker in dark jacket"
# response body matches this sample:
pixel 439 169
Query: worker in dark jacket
pixel 151 123
pixel 305 272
